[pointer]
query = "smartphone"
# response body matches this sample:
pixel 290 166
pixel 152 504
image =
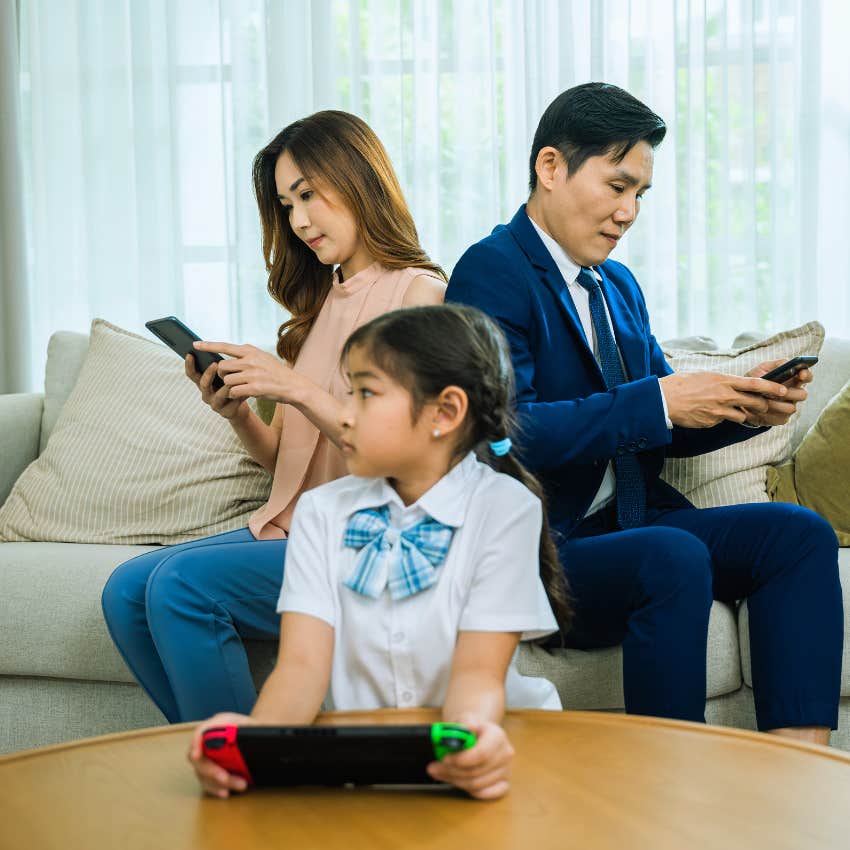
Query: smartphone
pixel 179 338
pixel 334 755
pixel 790 368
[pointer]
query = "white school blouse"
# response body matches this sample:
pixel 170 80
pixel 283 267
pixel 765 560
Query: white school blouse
pixel 398 653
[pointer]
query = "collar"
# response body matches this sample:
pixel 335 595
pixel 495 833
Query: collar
pixel 447 501
pixel 568 268
pixel 525 235
pixel 356 282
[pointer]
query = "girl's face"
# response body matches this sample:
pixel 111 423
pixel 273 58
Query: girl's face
pixel 320 220
pixel 379 437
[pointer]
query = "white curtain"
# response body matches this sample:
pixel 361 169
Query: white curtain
pixel 141 119
pixel 15 367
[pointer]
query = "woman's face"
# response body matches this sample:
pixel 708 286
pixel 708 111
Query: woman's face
pixel 320 219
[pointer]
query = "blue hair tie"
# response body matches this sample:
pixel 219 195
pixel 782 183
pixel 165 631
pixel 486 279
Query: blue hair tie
pixel 502 447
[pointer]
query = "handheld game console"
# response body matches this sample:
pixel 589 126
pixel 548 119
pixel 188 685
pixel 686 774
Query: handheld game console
pixel 333 755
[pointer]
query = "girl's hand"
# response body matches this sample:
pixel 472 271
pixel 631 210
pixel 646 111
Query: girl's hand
pixel 214 778
pixel 219 400
pixel 484 770
pixel 250 371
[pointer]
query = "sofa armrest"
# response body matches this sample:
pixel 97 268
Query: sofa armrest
pixel 20 430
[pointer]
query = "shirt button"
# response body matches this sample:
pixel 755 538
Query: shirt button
pixel 390 537
pixel 407 696
pixel 398 637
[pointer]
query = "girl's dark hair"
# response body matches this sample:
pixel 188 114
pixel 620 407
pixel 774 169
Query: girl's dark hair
pixel 339 150
pixel 426 349
pixel 594 119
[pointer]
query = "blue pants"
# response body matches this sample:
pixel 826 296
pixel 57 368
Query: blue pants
pixel 651 589
pixel 178 616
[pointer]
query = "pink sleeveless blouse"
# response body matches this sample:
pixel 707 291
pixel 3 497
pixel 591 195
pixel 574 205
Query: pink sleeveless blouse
pixel 306 458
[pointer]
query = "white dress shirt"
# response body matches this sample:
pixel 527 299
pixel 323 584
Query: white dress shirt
pixel 398 653
pixel 581 298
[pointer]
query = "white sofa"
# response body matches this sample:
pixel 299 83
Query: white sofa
pixel 61 678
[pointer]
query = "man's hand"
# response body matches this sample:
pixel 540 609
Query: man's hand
pixel 779 412
pixel 703 399
pixel 484 770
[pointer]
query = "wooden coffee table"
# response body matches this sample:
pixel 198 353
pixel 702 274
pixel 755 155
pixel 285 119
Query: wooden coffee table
pixel 581 779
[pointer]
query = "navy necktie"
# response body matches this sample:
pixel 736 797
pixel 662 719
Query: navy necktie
pixel 631 488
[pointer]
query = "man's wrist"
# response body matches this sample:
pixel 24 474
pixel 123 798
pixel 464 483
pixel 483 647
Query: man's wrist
pixel 667 420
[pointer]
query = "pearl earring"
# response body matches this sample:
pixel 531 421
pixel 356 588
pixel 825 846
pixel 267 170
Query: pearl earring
pixel 436 432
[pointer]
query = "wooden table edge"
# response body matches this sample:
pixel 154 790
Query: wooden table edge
pixel 415 715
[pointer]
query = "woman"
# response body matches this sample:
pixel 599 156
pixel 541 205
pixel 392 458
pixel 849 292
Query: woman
pixel 341 248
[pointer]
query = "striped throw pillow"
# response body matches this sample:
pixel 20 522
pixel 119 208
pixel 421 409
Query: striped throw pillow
pixel 738 474
pixel 135 457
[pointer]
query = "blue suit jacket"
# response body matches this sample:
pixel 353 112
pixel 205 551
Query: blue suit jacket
pixel 570 425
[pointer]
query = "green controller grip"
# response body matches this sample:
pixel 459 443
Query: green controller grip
pixel 450 738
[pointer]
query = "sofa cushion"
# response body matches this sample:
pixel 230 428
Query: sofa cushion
pixel 135 457
pixel 66 353
pixel 51 623
pixel 37 712
pixel 20 422
pixel 744 628
pixel 818 474
pixel 831 373
pixel 738 473
pixel 594 679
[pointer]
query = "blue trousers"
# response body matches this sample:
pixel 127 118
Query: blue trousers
pixel 651 589
pixel 178 615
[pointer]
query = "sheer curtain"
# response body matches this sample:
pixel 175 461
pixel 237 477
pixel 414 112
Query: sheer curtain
pixel 15 368
pixel 140 120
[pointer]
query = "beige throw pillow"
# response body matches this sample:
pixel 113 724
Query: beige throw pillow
pixel 737 474
pixel 135 457
pixel 818 475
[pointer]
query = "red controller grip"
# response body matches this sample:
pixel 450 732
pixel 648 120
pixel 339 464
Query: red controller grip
pixel 219 744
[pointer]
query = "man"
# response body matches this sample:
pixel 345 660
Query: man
pixel 599 409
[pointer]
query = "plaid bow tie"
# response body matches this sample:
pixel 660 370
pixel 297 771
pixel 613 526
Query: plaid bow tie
pixel 409 569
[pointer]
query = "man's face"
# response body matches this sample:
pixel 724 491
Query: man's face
pixel 588 211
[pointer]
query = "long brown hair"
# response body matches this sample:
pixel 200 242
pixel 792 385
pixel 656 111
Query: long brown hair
pixel 427 349
pixel 339 150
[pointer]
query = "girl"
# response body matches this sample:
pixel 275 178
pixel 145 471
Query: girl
pixel 410 582
pixel 328 197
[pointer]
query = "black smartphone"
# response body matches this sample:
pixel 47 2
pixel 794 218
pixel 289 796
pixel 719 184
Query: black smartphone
pixel 790 368
pixel 180 338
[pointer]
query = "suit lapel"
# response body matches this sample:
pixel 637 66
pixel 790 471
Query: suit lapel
pixel 551 278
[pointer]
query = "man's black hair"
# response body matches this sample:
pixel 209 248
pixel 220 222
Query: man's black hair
pixel 594 119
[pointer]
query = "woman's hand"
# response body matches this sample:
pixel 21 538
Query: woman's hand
pixel 250 371
pixel 219 400
pixel 484 770
pixel 213 777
